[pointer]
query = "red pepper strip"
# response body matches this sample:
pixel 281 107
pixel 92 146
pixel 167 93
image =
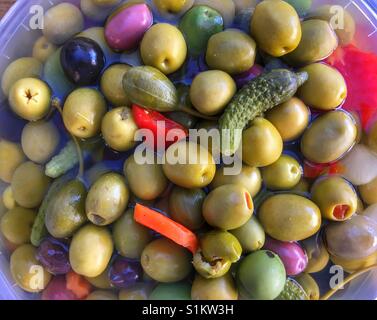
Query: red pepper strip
pixel 160 126
pixel 340 211
pixel 78 285
pixel 166 227
pixel 314 170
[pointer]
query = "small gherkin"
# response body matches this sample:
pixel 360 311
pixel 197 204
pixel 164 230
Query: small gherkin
pixel 256 97
pixel 292 291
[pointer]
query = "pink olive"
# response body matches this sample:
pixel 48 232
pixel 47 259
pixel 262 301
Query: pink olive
pixel 244 77
pixel 125 29
pixel 293 256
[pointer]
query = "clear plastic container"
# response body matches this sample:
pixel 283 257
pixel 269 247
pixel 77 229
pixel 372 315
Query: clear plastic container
pixel 17 38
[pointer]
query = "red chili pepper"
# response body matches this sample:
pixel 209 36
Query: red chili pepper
pixel 165 131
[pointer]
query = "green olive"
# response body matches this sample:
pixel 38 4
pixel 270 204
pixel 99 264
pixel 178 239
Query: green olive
pixel 11 156
pixel 288 217
pixel 119 129
pixel 368 192
pixel 102 281
pixel 228 207
pixel 26 270
pixel 329 137
pixel 30 98
pixel 317 43
pixel 176 7
pixel 112 85
pixel 43 49
pixel 318 256
pixel 90 250
pixel 222 288
pixel 16 225
pixel 210 269
pixel 225 7
pixel 309 285
pixel 102 295
pixel 251 235
pixel 136 292
pixel 130 238
pixel 372 137
pixel 83 111
pixel 185 207
pixel 302 187
pixel 29 185
pixel 290 118
pixel 95 12
pixel 283 174
pixel 107 199
pixel 165 261
pixel 336 198
pixel 232 51
pixel 147 181
pixel 281 21
pixel 171 291
pixel 8 198
pixel 262 144
pixel 211 91
pixel 189 165
pixel 325 89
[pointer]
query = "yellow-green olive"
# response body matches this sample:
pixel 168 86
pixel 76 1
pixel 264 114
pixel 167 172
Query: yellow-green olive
pixel 228 207
pixel 325 89
pixel 251 235
pixel 26 270
pixel 283 174
pixel 29 185
pixel 249 177
pixel 102 281
pixel 232 51
pixel 289 217
pixel 136 292
pixel 303 186
pixel 210 269
pixel 283 25
pixel 368 192
pixel 290 118
pixel 189 165
pixel 8 198
pixel 318 256
pixel 11 156
pixel 43 49
pixel 176 7
pixel 222 288
pixel 16 225
pixel 102 295
pixel 372 137
pixel 146 181
pixel 163 47
pixel 262 144
pixel 211 91
pixel 336 198
pixel 90 250
pixel 107 199
pixel 329 137
pixel 225 7
pixel 310 286
pixel 317 43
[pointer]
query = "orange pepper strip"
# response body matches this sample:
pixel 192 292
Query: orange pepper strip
pixel 166 227
pixel 78 285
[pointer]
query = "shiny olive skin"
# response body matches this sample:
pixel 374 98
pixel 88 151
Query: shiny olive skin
pixel 251 235
pixel 11 156
pixel 283 174
pixel 8 199
pixel 332 191
pixel 65 213
pixel 119 128
pixel 102 281
pixel 318 256
pixel 249 177
pixel 173 7
pixel 83 111
pixel 107 199
pixel 165 261
pixel 222 288
pixel 112 85
pixel 171 291
pixel 228 207
pixel 325 89
pixel 310 286
pixel 130 238
pixel 146 181
pixel 29 185
pixel 136 292
pixel 185 174
pixel 329 137
pixel 317 43
pixel 352 244
pixel 16 224
pixel 225 7
pixel 211 91
pixel 43 49
pixel 282 21
pixel 21 68
pixel 185 207
pixel 163 47
pixel 90 250
pixel 290 118
pixel 303 186
pixel 102 295
pixel 262 144
pixel 368 192
pixel 289 217
pixel 22 261
pixel 232 51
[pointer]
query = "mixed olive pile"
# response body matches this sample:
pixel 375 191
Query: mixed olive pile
pixel 103 226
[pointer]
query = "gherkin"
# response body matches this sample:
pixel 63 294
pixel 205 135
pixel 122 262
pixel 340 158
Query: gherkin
pixel 256 97
pixel 292 291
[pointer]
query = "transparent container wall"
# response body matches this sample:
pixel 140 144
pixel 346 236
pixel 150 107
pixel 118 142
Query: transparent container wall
pixel 17 38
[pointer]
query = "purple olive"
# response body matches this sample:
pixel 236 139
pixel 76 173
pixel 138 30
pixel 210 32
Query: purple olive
pixel 293 256
pixel 244 77
pixel 125 28
pixel 125 272
pixel 53 255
